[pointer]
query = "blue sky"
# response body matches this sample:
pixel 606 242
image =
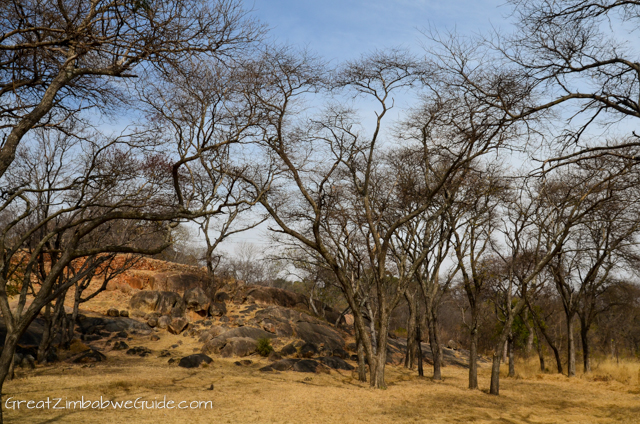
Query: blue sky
pixel 339 30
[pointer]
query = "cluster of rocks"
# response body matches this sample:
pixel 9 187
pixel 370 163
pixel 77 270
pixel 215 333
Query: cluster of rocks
pixel 97 328
pixel 169 311
pixel 113 312
pixel 140 351
pixel 270 313
pixel 24 360
pixel 308 357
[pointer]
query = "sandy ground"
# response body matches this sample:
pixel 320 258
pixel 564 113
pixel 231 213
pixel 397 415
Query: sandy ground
pixel 242 394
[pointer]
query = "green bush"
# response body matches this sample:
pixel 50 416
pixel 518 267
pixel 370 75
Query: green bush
pixel 264 347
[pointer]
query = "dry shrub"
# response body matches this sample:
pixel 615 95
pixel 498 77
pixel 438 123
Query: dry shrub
pixel 528 368
pixel 625 371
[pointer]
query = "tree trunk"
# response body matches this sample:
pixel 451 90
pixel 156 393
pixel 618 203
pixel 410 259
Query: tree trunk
pixel 362 368
pixel 512 362
pixel 556 353
pixel 543 368
pixel 529 345
pixel 571 348
pixel 473 359
pixel 505 352
pixel 409 358
pixel 54 322
pixel 498 350
pixel 74 317
pixel 586 354
pixel 6 362
pixel 377 366
pixel 495 374
pixel 372 329
pixel 550 342
pixel 436 352
pixel 419 343
pixel 46 334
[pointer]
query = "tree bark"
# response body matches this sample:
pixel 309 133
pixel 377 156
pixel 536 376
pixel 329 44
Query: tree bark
pixel 543 368
pixel 436 352
pixel 556 353
pixel 410 356
pixel 6 362
pixel 362 368
pixel 419 343
pixel 46 333
pixel 377 366
pixel 498 350
pixel 571 348
pixel 527 324
pixel 512 362
pixel 505 352
pixel 74 314
pixel 586 353
pixel 494 389
pixel 538 345
pixel 473 360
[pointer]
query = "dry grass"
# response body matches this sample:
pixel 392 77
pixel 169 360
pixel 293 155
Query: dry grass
pixel 244 394
pixel 626 372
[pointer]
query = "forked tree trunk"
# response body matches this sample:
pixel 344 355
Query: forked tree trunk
pixel 473 359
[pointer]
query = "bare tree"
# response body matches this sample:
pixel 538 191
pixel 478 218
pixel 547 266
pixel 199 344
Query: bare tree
pixel 57 56
pixel 329 163
pixel 538 222
pixel 577 64
pixel 55 203
pixel 542 313
pixel 473 219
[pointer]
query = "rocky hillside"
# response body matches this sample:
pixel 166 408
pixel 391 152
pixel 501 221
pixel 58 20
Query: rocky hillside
pixel 158 300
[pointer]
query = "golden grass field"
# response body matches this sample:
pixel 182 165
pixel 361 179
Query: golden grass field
pixel 242 394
